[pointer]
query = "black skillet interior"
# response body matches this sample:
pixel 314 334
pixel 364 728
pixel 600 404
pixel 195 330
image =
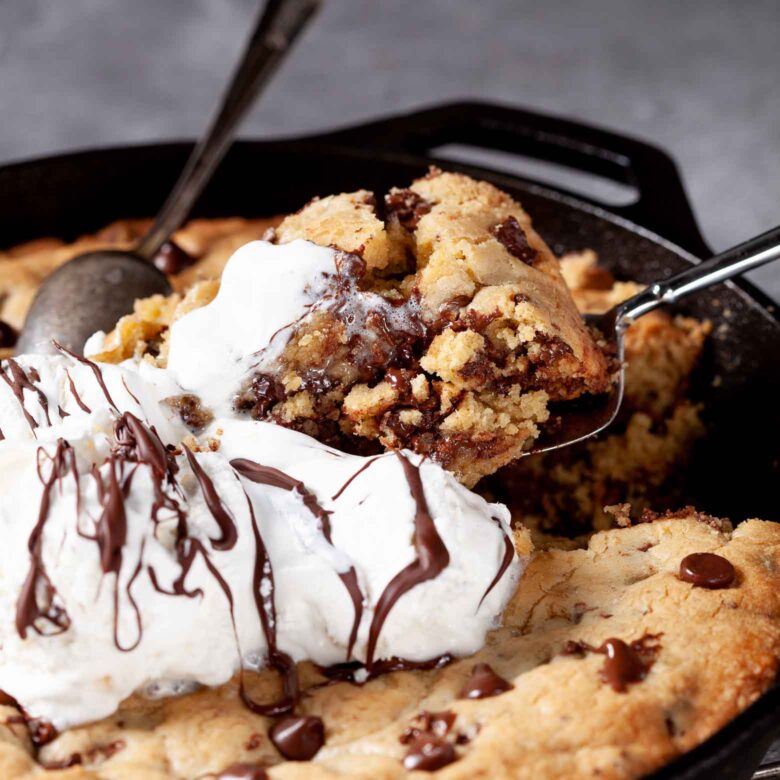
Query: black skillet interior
pixel 734 473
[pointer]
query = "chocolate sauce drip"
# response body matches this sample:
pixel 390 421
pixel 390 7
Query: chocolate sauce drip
pixel 18 381
pixel 509 554
pixel 513 237
pixel 37 598
pixel 707 570
pixel 129 391
pixel 484 683
pixel 298 738
pixel 137 443
pixel 625 663
pixel 225 520
pixel 93 367
pixel 266 609
pixel 267 475
pixel 75 393
pixel 365 466
pixel 243 771
pixel 110 536
pixel 172 259
pixel 347 672
pixel 431 558
pixel 8 335
pixel 428 753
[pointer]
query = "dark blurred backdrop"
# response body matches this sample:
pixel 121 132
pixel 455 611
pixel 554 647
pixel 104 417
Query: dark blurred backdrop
pixel 702 79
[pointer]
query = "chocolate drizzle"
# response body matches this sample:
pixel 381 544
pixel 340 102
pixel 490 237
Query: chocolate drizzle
pixel 75 394
pixel 225 520
pixel 509 553
pixel 431 559
pixel 37 600
pixel 363 468
pixel 266 609
pixel 18 381
pixel 267 475
pixel 95 370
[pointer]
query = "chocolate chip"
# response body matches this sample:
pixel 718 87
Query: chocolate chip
pixel 8 335
pixel 172 259
pixel 513 237
pixel 428 753
pixel 407 207
pixel 298 738
pixel 483 683
pixel 622 665
pixel 707 570
pixel 243 772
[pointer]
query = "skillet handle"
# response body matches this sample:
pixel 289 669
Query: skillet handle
pixel 662 205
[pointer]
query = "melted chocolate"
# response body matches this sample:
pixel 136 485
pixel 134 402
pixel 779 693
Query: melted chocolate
pixel 75 394
pixel 243 771
pixel 428 753
pixel 266 609
pixel 8 335
pixel 225 520
pixel 172 259
pixel 431 558
pixel 707 570
pixel 368 463
pixel 484 683
pixel 37 599
pixel 407 207
pixel 624 663
pixel 93 755
pixel 110 536
pixel 436 723
pixel 509 553
pixel 95 370
pixel 298 738
pixel 513 237
pixel 18 381
pixel 267 475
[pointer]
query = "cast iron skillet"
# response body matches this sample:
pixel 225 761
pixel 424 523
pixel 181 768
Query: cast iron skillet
pixel 735 472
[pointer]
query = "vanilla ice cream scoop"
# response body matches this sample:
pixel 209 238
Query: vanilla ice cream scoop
pixel 131 562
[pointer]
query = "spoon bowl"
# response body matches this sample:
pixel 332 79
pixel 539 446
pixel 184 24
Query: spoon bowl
pixel 85 295
pixel 590 415
pixel 92 291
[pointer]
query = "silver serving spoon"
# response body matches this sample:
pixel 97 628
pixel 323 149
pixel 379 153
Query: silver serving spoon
pixel 92 291
pixel 583 419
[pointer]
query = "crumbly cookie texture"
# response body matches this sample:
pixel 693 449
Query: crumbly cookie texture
pixel 453 329
pixel 564 493
pixel 474 334
pixel 705 656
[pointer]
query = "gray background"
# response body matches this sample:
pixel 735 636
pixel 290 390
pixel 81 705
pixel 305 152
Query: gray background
pixel 702 79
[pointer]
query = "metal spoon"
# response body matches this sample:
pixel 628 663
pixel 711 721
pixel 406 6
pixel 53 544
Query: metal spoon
pixel 583 419
pixel 92 291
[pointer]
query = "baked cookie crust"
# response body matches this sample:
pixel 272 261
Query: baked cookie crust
pixel 707 655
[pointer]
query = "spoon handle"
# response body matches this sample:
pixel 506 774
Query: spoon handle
pixel 279 24
pixel 733 262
